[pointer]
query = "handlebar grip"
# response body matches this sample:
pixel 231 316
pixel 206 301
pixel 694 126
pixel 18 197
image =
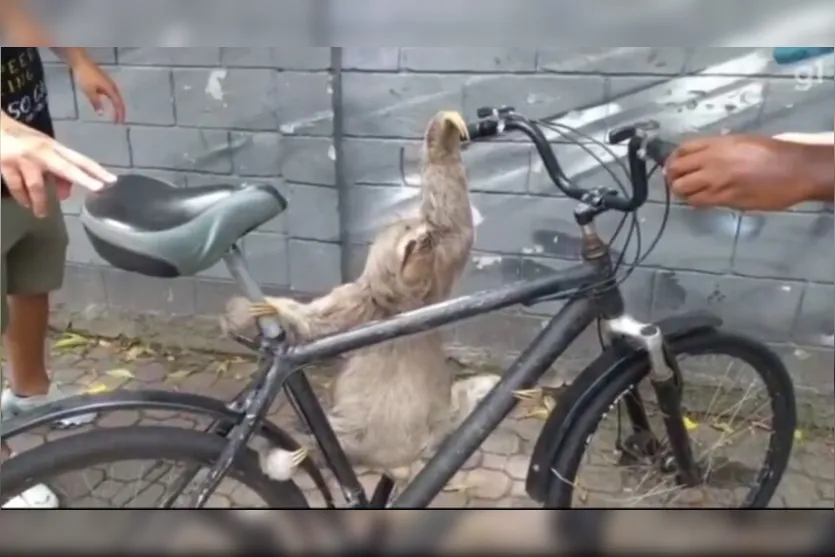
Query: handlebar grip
pixel 482 128
pixel 659 149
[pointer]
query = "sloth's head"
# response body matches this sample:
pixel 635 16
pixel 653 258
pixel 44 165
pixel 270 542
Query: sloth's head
pixel 444 136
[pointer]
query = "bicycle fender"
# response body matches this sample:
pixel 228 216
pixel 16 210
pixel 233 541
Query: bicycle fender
pixel 588 385
pixel 188 403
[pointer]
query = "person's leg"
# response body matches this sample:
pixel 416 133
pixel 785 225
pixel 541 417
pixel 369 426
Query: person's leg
pixel 35 268
pixel 16 222
pixel 24 343
pixel 15 225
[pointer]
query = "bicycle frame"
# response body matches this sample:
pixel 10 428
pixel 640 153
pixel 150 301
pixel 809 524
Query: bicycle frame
pixel 578 313
pixel 590 289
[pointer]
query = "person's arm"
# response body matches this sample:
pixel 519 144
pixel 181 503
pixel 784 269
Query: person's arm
pixel 820 173
pixel 28 155
pixel 20 27
pixel 822 138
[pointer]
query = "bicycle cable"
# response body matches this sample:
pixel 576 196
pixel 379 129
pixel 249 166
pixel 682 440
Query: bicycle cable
pixel 634 228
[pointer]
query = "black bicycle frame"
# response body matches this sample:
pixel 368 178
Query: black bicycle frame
pixel 580 310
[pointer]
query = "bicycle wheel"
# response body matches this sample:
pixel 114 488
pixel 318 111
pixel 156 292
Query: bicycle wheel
pixel 115 448
pixel 580 486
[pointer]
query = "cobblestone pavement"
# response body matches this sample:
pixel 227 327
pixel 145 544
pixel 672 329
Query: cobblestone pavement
pixel 493 477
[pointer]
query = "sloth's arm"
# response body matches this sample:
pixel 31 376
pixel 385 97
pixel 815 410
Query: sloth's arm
pixel 344 308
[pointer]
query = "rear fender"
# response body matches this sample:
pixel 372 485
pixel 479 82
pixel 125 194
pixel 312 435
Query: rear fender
pixel 587 385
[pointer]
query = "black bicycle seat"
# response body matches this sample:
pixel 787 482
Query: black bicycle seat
pixel 143 203
pixel 148 226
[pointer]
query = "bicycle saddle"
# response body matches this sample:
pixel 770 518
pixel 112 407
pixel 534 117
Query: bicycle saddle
pixel 151 227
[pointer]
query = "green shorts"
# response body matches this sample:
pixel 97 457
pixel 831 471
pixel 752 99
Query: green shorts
pixel 34 251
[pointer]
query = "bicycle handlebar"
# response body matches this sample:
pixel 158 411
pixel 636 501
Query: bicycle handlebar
pixel 493 122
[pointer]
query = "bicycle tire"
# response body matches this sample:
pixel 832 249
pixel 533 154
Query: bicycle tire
pixel 76 452
pixel 763 360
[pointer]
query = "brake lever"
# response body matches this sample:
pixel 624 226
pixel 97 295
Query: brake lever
pixel 638 129
pixel 619 135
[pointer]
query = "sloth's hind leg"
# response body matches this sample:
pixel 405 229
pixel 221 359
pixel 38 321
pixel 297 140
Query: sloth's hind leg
pixel 281 464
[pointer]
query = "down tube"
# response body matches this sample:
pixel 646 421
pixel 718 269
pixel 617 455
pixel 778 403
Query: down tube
pixel 549 344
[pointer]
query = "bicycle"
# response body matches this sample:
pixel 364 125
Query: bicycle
pixel 149 227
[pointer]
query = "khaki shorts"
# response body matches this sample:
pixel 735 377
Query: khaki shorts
pixel 34 251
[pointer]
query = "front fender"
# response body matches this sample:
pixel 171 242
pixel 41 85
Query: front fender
pixel 588 385
pixel 154 400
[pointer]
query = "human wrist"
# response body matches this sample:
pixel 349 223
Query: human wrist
pixel 73 56
pixel 818 171
pixel 7 123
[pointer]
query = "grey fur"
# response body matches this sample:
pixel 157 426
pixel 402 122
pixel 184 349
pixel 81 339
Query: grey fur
pixel 392 401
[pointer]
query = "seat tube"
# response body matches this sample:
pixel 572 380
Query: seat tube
pixel 299 391
pixel 236 263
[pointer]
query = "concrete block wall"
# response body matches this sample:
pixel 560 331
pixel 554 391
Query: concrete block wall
pixel 199 115
pixel 214 115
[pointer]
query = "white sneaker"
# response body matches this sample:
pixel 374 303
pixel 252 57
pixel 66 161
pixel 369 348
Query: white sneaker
pixel 13 405
pixel 38 497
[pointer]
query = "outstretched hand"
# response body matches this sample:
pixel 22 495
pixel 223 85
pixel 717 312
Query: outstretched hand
pixel 744 172
pixel 27 155
pixel 97 85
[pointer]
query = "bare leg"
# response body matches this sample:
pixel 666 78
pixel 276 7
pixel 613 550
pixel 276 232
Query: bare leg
pixel 25 344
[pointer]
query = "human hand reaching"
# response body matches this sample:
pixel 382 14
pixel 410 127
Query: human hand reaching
pixel 746 172
pixel 27 156
pixel 96 84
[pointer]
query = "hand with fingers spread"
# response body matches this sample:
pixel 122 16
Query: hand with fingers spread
pixel 96 85
pixel 28 156
pixel 749 172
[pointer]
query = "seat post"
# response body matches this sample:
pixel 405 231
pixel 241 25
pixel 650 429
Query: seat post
pixel 236 263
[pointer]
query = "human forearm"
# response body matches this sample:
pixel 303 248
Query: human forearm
pixel 823 138
pixel 71 55
pixel 820 173
pixel 21 28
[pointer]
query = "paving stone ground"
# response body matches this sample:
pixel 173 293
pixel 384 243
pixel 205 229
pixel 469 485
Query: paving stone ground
pixel 493 477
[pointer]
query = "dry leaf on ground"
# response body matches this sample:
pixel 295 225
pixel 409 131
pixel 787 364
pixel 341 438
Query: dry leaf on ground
pixel 70 340
pixel 120 373
pixel 179 375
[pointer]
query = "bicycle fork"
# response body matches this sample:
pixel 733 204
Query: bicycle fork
pixel 666 380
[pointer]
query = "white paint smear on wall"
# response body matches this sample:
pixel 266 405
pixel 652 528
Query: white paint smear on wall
pixel 214 85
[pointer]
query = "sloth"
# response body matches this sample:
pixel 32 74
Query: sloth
pixel 394 401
